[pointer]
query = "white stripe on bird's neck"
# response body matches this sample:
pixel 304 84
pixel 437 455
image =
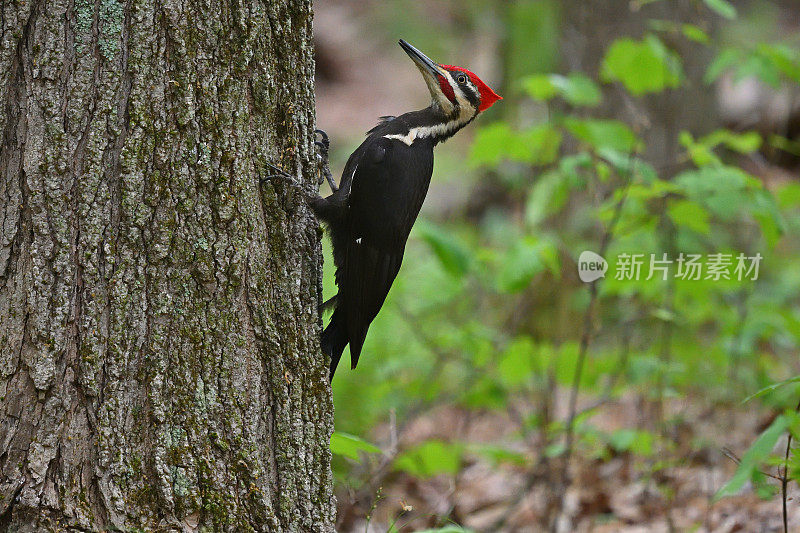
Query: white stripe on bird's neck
pixel 435 130
pixel 465 114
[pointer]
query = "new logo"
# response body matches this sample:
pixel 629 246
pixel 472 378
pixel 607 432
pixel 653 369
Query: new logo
pixel 591 266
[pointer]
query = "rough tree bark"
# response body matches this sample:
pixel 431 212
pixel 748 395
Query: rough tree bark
pixel 159 355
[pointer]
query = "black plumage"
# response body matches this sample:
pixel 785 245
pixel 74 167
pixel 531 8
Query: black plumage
pixel 370 217
pixel 380 194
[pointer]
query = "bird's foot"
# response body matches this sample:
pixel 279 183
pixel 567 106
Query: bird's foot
pixel 278 172
pixel 323 145
pixel 314 199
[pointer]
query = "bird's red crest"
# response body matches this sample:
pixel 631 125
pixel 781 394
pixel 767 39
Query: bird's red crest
pixel 488 96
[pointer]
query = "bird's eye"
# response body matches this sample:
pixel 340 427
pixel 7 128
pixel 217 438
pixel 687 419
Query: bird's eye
pixel 461 79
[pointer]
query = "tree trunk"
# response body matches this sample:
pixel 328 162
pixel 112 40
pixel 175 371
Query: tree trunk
pixel 159 355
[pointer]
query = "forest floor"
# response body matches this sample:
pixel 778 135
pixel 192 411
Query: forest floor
pixel 670 488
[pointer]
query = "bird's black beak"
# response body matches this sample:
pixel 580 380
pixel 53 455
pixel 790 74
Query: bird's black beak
pixel 423 62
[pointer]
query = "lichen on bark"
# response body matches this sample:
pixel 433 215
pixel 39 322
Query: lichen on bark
pixel 159 356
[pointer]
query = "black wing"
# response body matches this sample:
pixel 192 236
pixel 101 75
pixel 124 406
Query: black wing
pixel 381 122
pixel 388 189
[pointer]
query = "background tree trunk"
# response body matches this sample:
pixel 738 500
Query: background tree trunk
pixel 159 354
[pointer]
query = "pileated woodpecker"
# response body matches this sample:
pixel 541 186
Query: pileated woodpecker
pixel 380 193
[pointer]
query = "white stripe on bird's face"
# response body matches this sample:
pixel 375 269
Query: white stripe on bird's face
pixel 439 98
pixel 462 109
pixel 461 99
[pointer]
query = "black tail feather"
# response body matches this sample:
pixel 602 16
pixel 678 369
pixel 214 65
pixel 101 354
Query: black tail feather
pixel 334 339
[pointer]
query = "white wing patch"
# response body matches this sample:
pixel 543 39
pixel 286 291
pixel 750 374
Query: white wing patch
pixel 408 138
pixel 353 177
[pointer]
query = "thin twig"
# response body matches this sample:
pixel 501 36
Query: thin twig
pixel 785 481
pixel 530 481
pixel 614 377
pixel 375 502
pixel 727 452
pixel 384 467
pixel 733 457
pixel 586 336
pixel 785 478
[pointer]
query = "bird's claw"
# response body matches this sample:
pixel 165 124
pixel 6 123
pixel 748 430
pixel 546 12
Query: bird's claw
pixel 279 173
pixel 323 145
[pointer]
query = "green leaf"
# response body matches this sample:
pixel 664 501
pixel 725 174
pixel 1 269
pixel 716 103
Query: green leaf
pixel 700 153
pixel 789 195
pixel 773 387
pixel 726 59
pixel 349 445
pixel 656 189
pixel 498 454
pixel 539 87
pixel 758 66
pixel 526 258
pixel 543 143
pixel 631 440
pixel 517 362
pixel 627 165
pixel 601 134
pixel 689 214
pixel 496 142
pixel 451 252
pixel 485 394
pixel 721 189
pixel 690 31
pixel 764 209
pixel 767 63
pixel 722 8
pixel 665 315
pixel 577 89
pixel 622 439
pixel 645 66
pixel 787 145
pixel 430 458
pixel 555 449
pixel 746 142
pixel 547 197
pixel 753 457
pixel 786 59
pixel 695 33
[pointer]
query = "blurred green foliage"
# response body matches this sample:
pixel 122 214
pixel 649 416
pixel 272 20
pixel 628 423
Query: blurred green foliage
pixel 488 310
pixel 645 66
